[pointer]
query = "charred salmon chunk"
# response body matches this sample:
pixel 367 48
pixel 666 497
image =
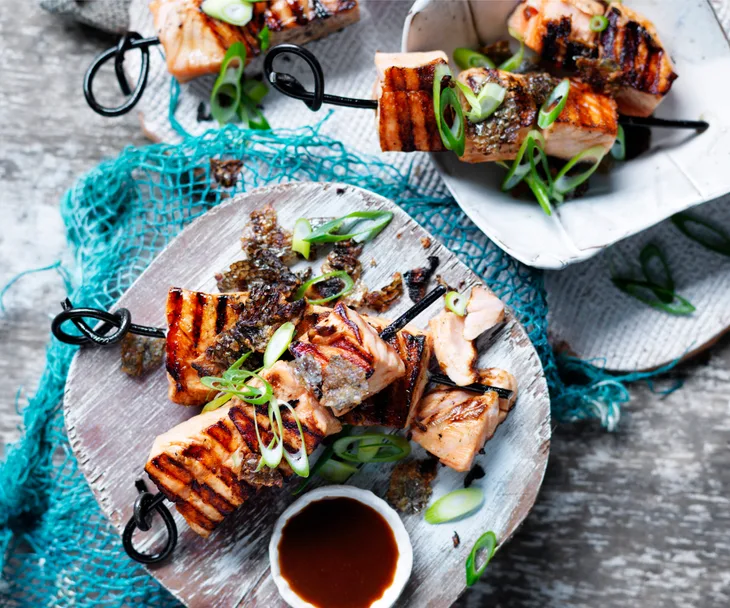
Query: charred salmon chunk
pixel 455 354
pixel 195 43
pixel 194 319
pixel 588 119
pixel 453 424
pixel 484 310
pixel 558 30
pixel 645 69
pixel 404 90
pixel 344 360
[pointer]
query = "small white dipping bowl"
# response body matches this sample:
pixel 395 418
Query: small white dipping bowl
pixel 366 497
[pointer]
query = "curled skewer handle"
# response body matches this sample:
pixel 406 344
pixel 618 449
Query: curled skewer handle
pixel 504 393
pixel 291 87
pixel 130 41
pixel 144 506
pixel 121 319
pixel 412 312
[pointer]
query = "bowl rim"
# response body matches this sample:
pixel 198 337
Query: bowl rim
pixel 404 564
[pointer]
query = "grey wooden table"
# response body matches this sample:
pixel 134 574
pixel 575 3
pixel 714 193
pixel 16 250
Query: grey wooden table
pixel 639 517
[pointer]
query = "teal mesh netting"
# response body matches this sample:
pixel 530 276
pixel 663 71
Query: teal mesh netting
pixel 57 548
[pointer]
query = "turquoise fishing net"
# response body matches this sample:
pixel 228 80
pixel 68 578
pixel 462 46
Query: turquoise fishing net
pixel 56 548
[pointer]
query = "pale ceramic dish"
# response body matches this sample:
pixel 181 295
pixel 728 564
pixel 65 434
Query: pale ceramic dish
pixel 680 171
pixel 366 497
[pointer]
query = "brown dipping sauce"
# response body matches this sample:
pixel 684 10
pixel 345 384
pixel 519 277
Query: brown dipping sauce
pixel 338 553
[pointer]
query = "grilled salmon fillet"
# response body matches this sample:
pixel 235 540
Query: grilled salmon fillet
pixel 206 465
pixel 195 43
pixel 588 119
pixel 484 310
pixel 455 354
pixel 345 361
pixel 453 424
pixel 558 30
pixel 404 90
pixel 646 72
pixel 194 319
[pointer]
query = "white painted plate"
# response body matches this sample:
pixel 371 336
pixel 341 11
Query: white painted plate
pixel 680 171
pixel 112 419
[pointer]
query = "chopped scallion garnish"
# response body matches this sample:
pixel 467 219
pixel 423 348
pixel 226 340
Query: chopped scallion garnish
pixel 513 63
pixel 339 274
pixel 302 229
pixel 618 151
pixel 454 137
pixel 466 58
pixel 488 544
pixel 298 462
pixel 271 454
pixel 336 471
pixel 390 447
pixel 521 165
pixel 456 303
pixel 278 343
pixel 598 23
pixel 564 184
pixel 264 38
pixel 329 232
pixel 235 12
pixel 554 104
pixel 226 94
pixel 486 103
pixel 454 505
pixel 705 233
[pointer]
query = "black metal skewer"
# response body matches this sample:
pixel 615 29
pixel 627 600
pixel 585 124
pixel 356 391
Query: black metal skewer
pixel 503 393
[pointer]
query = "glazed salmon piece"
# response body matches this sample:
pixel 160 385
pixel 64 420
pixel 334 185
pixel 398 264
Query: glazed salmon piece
pixel 404 90
pixel 455 354
pixel 588 119
pixel 646 71
pixel 195 44
pixel 484 310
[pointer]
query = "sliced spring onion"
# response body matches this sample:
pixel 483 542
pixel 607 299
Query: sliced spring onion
pixel 564 184
pixel 234 382
pixel 278 343
pixel 486 103
pixel 540 191
pixel 521 165
pixel 453 137
pixel 251 117
pixel 454 505
pixel 219 401
pixel 646 292
pixel 514 62
pixel 456 303
pixel 466 58
pixel 235 12
pixel 339 274
pixel 390 447
pixel 705 233
pixel 336 471
pixel 656 270
pixel 598 23
pixel 264 38
pixel 618 150
pixel 255 90
pixel 488 543
pixel 271 454
pixel 329 231
pixel 226 94
pixel 554 104
pixel 302 229
pixel 298 462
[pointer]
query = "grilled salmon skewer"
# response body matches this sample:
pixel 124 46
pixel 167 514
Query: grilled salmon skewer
pixel 196 43
pixel 627 56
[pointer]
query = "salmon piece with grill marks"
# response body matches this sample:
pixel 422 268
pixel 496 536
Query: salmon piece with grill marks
pixel 455 354
pixel 194 319
pixel 195 44
pixel 404 90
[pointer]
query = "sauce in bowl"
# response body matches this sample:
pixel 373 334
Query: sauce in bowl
pixel 338 553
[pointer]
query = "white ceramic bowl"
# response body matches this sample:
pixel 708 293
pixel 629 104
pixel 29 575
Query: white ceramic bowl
pixel 366 497
pixel 680 171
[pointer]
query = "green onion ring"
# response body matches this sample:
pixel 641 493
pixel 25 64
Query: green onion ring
pixel 683 221
pixel 618 150
pixel 454 505
pixel 219 401
pixel 486 541
pixel 336 471
pixel 326 454
pixel 298 462
pixel 454 137
pixel 664 279
pixel 519 170
pixel 278 343
pixel 598 23
pixel 255 90
pixel 328 232
pixel 514 62
pixel 271 454
pixel 339 274
pixel 466 58
pixel 541 192
pixel 302 229
pixel 554 104
pixel 251 117
pixel 636 289
pixel 391 447
pixel 235 12
pixel 490 98
pixel 564 184
pixel 234 382
pixel 228 84
pixel 456 303
pixel 441 71
pixel 264 37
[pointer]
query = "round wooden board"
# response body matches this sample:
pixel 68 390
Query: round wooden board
pixel 112 419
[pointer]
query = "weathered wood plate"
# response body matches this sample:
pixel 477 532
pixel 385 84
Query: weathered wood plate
pixel 112 419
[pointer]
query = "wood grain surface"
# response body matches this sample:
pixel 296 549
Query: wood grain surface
pixel 112 419
pixel 639 517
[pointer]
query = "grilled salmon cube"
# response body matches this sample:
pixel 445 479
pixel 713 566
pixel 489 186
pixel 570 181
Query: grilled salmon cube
pixel 500 136
pixel 558 30
pixel 646 71
pixel 195 44
pixel 194 319
pixel 455 354
pixel 484 310
pixel 588 119
pixel 454 424
pixel 395 405
pixel 404 90
pixel 345 361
